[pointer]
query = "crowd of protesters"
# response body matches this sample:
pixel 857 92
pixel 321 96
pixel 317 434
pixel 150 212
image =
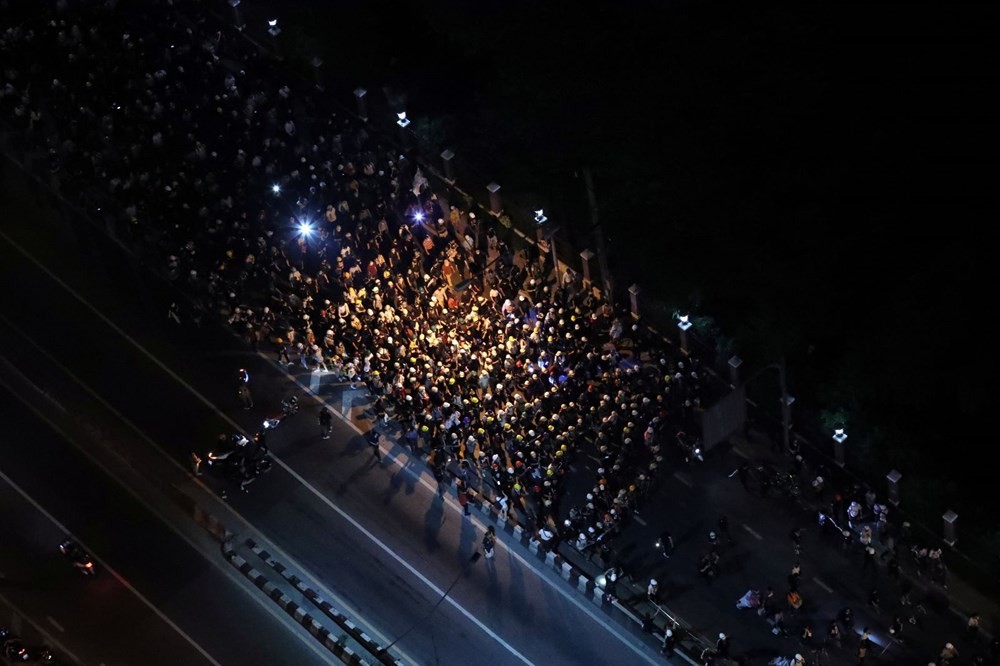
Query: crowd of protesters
pixel 326 247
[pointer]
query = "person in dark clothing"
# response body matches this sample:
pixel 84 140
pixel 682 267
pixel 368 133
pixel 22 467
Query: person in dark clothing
pixel 744 473
pixel 325 422
pixel 722 647
pixel 373 437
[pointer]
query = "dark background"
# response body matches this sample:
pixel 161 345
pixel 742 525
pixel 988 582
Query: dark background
pixel 812 180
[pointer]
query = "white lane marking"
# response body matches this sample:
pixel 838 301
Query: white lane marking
pixel 747 528
pixel 823 585
pixel 40 629
pixel 391 553
pixel 185 470
pixel 114 573
pixel 226 570
pixel 156 361
pixel 683 479
pixel 55 624
pixel 401 461
pixel 640 521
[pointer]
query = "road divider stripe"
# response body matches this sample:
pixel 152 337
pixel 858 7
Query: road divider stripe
pixel 127 585
pixel 823 585
pixel 344 622
pixel 18 613
pixel 315 629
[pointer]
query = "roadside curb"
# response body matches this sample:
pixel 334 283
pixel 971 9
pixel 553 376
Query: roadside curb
pixel 569 573
pixel 318 631
pixel 293 609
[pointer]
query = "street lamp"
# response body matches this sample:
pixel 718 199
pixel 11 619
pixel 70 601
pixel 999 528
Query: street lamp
pixel 683 324
pixel 401 119
pixel 548 235
pixel 839 437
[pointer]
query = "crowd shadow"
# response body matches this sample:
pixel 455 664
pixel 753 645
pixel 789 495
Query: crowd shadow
pixel 433 520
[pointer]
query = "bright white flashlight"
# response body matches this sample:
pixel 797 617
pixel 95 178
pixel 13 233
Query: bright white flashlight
pixel 305 228
pixel 418 216
pixel 276 188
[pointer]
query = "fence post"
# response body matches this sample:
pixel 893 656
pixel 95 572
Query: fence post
pixel 359 94
pixel 950 528
pixel 633 293
pixel 447 156
pixel 734 370
pixel 586 255
pixel 316 63
pixel 494 190
pixel 893 478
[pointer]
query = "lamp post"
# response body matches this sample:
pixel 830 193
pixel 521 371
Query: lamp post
pixel 403 122
pixel 839 437
pixel 274 31
pixel 548 234
pixel 683 324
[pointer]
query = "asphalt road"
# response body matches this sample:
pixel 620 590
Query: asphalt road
pixel 382 542
pixel 155 600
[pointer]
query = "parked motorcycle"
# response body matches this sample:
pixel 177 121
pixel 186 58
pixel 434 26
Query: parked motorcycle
pixel 229 449
pixel 688 448
pixel 288 408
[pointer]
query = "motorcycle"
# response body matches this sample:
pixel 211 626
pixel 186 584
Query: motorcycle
pixel 288 408
pixel 80 559
pixel 665 545
pixel 236 443
pixel 16 651
pixel 690 449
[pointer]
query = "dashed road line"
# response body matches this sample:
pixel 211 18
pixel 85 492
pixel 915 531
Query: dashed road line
pixel 750 530
pixel 683 479
pixel 823 585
